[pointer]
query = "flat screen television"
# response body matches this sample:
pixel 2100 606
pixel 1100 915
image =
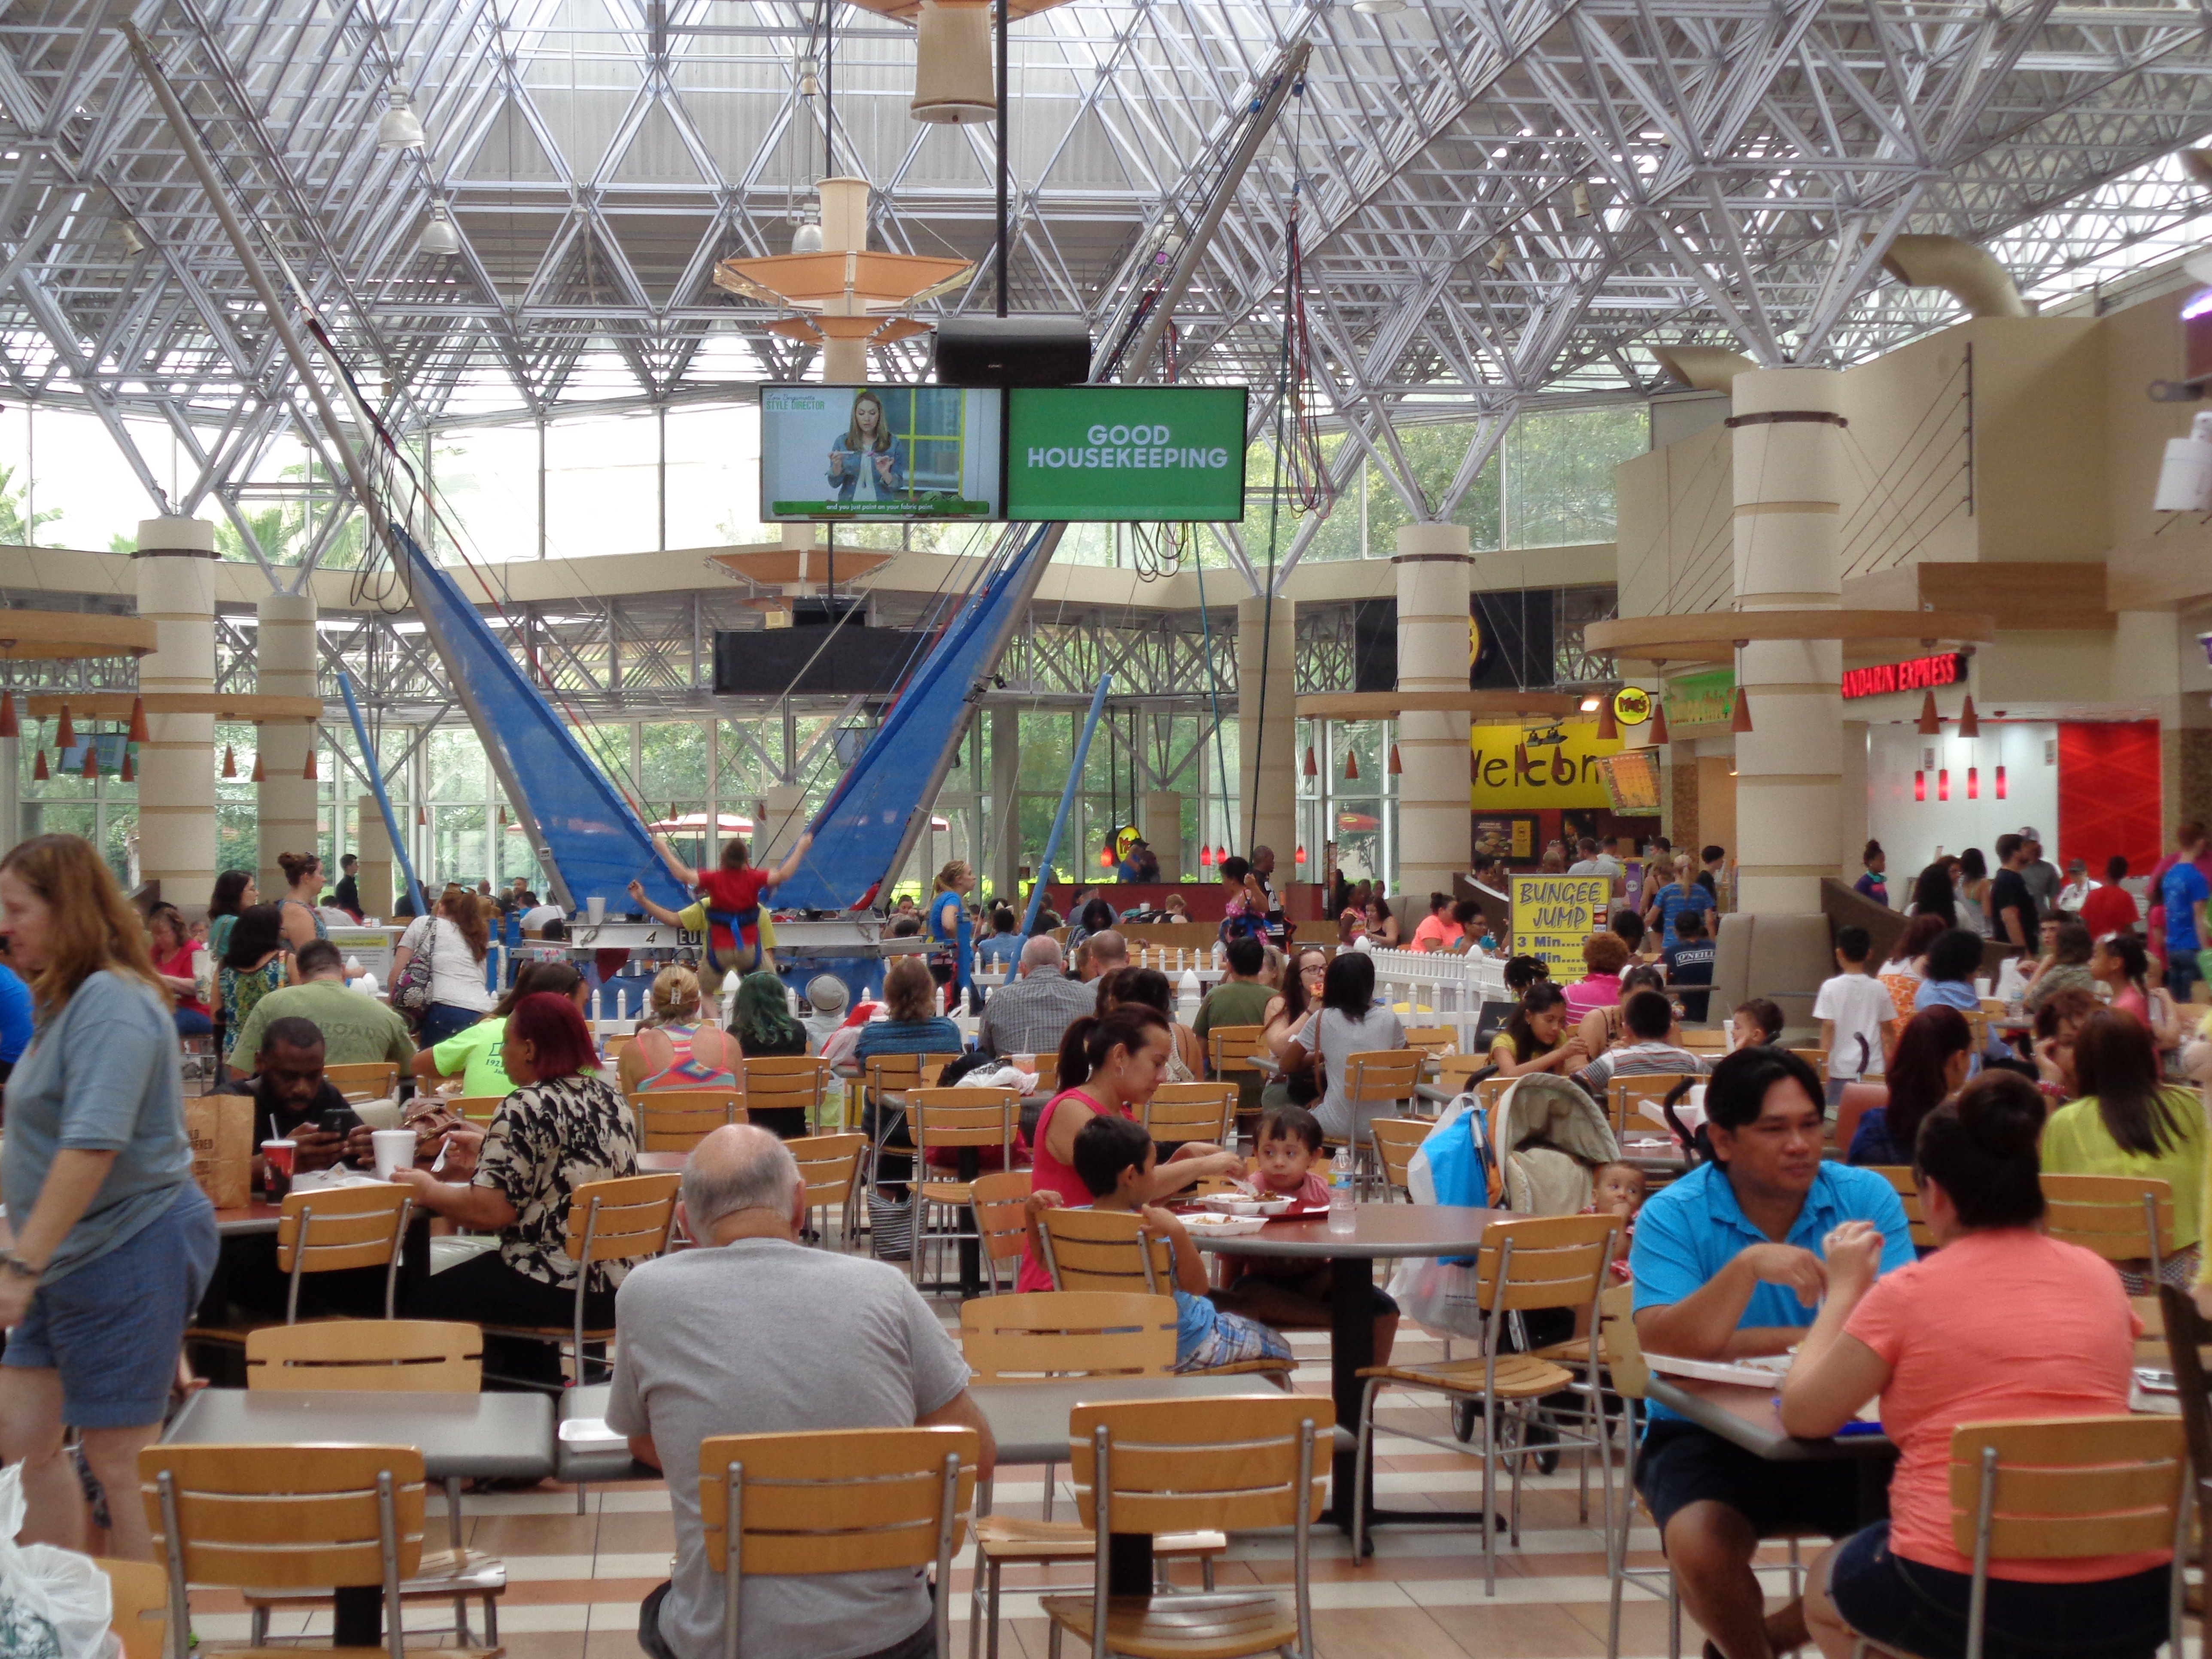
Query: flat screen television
pixel 1631 779
pixel 881 454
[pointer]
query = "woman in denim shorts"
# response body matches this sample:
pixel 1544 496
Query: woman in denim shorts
pixel 113 1241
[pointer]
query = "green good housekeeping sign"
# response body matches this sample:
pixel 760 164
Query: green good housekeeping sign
pixel 1104 454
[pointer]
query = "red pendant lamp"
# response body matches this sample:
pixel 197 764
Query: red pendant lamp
pixel 8 727
pixel 1220 855
pixel 1609 728
pixel 420 816
pixel 1313 767
pixel 1299 857
pixel 308 771
pixel 1931 723
pixel 1740 720
pixel 1521 759
pixel 38 770
pixel 1106 856
pixel 2001 783
pixel 129 774
pixel 1970 724
pixel 65 734
pixel 260 769
pixel 1397 766
pixel 91 759
pixel 1204 856
pixel 1350 764
pixel 1973 783
pixel 1943 784
pixel 1659 736
pixel 1919 785
pixel 138 732
pixel 230 763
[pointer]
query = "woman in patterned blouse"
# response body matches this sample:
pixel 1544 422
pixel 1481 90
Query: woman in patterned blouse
pixel 561 1128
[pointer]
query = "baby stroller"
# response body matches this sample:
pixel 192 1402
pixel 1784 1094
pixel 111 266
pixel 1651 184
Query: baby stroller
pixel 1547 1139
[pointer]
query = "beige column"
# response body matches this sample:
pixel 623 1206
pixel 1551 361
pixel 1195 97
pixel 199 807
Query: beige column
pixel 285 665
pixel 1162 824
pixel 1787 441
pixel 782 821
pixel 1436 575
pixel 175 570
pixel 1266 814
pixel 377 878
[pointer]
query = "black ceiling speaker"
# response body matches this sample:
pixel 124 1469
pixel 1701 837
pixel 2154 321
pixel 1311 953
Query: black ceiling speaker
pixel 1039 348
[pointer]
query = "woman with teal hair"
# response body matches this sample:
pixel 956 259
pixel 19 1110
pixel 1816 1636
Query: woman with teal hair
pixel 762 1021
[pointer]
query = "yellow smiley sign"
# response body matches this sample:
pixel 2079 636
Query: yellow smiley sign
pixel 1631 705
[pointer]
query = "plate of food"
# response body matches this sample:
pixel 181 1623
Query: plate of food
pixel 1244 1204
pixel 1214 1224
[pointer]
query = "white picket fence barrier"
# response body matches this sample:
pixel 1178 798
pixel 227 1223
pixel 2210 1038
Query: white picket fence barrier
pixel 1441 989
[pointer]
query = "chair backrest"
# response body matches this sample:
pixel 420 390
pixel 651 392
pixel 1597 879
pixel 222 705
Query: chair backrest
pixel 1453 1070
pixel 896 1072
pixel 1545 1262
pixel 1048 1074
pixel 946 1120
pixel 1397 1141
pixel 1816 1058
pixel 837 1500
pixel 785 1080
pixel 1626 1094
pixel 1000 1203
pixel 368 1079
pixel 2188 1337
pixel 1231 1048
pixel 1190 1111
pixel 829 1165
pixel 1859 1099
pixel 477 1109
pixel 413 1356
pixel 1045 1334
pixel 1490 1089
pixel 1704 1040
pixel 139 1598
pixel 1382 1076
pixel 331 1228
pixel 1230 1464
pixel 627 1219
pixel 2062 1488
pixel 1436 1040
pixel 1623 1347
pixel 1103 1250
pixel 1907 1184
pixel 2112 1215
pixel 237 1515
pixel 678 1119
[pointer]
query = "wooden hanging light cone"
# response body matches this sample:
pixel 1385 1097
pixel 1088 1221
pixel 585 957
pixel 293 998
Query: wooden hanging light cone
pixel 1350 764
pixel 1659 738
pixel 1609 728
pixel 422 817
pixel 260 769
pixel 1970 723
pixel 138 732
pixel 8 724
pixel 65 734
pixel 1397 766
pixel 1930 724
pixel 38 771
pixel 230 763
pixel 308 771
pixel 1313 767
pixel 91 759
pixel 1740 720
pixel 129 774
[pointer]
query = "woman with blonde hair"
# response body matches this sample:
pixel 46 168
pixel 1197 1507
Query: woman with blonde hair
pixel 865 467
pixel 455 937
pixel 674 1049
pixel 114 1242
pixel 951 933
pixel 299 907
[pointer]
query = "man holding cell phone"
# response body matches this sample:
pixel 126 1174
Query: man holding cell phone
pixel 293 1101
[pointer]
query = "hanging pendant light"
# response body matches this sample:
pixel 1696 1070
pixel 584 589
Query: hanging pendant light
pixel 138 733
pixel 8 727
pixel 1204 856
pixel 1919 785
pixel 440 236
pixel 1299 857
pixel 1973 783
pixel 65 734
pixel 1943 784
pixel 952 80
pixel 1970 724
pixel 1397 766
pixel 1106 856
pixel 1350 764
pixel 260 769
pixel 1931 723
pixel 1659 738
pixel 230 763
pixel 400 128
pixel 129 774
pixel 1313 767
pixel 1521 759
pixel 1609 728
pixel 91 758
pixel 1220 855
pixel 2001 783
pixel 38 771
pixel 308 771
pixel 422 817
pixel 1740 720
pixel 807 237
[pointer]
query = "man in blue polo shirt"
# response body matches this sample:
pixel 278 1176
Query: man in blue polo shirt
pixel 1728 1264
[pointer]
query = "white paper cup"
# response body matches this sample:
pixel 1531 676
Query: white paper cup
pixel 394 1149
pixel 595 909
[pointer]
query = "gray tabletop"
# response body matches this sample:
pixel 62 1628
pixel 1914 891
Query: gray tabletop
pixel 1029 1420
pixel 576 1465
pixel 461 1436
pixel 1747 1417
pixel 1378 1230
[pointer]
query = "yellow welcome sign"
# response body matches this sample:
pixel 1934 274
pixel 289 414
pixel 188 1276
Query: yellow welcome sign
pixel 1563 775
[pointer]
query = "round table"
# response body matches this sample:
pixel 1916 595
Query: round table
pixel 1378 1232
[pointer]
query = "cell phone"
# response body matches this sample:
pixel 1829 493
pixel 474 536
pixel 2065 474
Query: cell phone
pixel 338 1121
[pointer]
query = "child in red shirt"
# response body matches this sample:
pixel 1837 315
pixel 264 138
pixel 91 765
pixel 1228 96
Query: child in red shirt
pixel 731 896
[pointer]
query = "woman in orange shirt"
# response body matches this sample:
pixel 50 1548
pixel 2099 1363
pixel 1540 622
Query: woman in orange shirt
pixel 1944 1342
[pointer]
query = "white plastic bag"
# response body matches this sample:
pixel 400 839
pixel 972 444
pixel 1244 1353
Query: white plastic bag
pixel 54 1603
pixel 1438 1296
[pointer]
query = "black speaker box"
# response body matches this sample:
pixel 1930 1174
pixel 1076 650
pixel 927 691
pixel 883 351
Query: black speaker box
pixel 1035 349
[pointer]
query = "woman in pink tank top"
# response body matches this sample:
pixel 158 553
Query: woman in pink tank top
pixel 1111 1063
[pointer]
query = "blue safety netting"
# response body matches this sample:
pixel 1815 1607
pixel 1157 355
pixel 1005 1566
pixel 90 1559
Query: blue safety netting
pixel 859 832
pixel 599 844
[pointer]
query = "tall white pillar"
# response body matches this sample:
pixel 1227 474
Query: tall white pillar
pixel 285 665
pixel 1162 824
pixel 1006 874
pixel 175 570
pixel 1436 836
pixel 1268 756
pixel 377 878
pixel 783 819
pixel 1788 443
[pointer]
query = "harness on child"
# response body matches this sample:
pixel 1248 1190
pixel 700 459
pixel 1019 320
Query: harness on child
pixel 737 921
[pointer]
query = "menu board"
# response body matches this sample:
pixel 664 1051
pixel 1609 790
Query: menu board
pixel 1553 916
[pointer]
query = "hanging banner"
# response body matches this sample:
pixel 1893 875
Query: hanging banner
pixel 1553 914
pixel 1509 777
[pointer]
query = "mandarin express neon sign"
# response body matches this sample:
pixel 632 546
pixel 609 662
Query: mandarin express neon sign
pixel 1914 674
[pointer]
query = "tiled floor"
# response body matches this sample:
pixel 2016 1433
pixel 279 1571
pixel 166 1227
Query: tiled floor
pixel 576 1581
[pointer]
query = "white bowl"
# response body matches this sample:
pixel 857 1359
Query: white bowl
pixel 1234 1204
pixel 1223 1226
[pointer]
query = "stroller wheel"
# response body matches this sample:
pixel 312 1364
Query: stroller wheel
pixel 1463 1418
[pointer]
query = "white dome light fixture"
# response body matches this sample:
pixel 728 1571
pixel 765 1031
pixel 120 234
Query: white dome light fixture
pixel 807 238
pixel 400 128
pixel 440 237
pixel 1379 8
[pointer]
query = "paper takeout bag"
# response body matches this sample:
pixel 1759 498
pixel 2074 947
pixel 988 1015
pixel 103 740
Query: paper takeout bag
pixel 222 1131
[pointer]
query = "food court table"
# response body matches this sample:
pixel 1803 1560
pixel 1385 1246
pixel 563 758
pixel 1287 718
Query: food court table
pixel 1379 1231
pixel 1752 1418
pixel 461 1437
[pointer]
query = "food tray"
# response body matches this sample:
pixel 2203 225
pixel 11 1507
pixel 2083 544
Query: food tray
pixel 1223 1226
pixel 1236 1203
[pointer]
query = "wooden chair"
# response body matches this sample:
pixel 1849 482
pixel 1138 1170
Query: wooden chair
pixel 1703 1041
pixel 831 1166
pixel 316 1518
pixel 2062 1488
pixel 1453 1069
pixel 139 1598
pixel 2188 1336
pixel 1622 1354
pixel 629 1218
pixel 1396 1139
pixel 837 1500
pixel 1230 1049
pixel 477 1109
pixel 678 1119
pixel 1110 1250
pixel 1626 1094
pixel 327 1230
pixel 945 1122
pixel 999 1203
pixel 1378 1077
pixel 612 1045
pixel 1816 1058
pixel 1077 1333
pixel 371 1080
pixel 1900 1176
pixel 1179 1112
pixel 785 1082
pixel 883 1074
pixel 2126 1219
pixel 1176 1466
pixel 1544 1261
pixel 1859 1099
pixel 1434 1041
pixel 410 1356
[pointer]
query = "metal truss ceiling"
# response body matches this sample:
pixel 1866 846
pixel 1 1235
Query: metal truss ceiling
pixel 1500 199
